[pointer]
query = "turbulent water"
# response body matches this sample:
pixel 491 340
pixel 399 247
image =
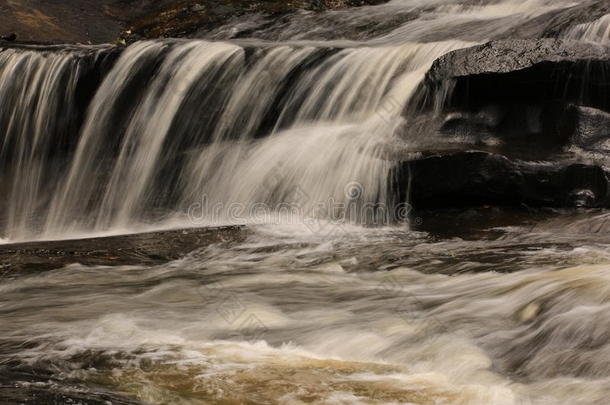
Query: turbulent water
pixel 364 316
pixel 271 125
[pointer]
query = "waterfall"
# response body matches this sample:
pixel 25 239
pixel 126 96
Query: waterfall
pixel 96 139
pixel 314 131
pixel 42 95
pixel 175 122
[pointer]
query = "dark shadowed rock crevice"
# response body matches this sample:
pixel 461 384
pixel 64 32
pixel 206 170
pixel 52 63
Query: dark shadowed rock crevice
pixel 475 178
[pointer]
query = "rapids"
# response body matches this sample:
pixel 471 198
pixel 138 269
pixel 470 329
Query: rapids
pixel 331 297
pixel 363 316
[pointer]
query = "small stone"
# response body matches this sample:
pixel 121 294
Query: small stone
pixel 12 37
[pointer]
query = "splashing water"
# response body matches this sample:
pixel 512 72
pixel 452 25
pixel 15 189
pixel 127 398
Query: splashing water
pixel 175 122
pixel 175 133
pixel 153 161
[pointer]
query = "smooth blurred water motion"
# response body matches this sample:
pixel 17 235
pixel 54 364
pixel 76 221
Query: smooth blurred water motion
pixel 372 316
pixel 299 112
pixel 596 31
pixel 173 121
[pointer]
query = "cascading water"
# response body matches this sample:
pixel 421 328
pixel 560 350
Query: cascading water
pixel 337 105
pixel 279 118
pixel 40 95
pixel 596 31
pixel 175 122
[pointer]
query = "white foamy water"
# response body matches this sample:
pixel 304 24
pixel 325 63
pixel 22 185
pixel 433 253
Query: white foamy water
pixel 314 305
pixel 283 318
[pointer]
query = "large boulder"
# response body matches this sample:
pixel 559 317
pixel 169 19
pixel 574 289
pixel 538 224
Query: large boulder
pixel 510 123
pixel 513 55
pixel 547 94
pixel 523 71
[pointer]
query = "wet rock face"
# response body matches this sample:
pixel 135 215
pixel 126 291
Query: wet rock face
pixel 591 129
pixel 39 387
pixel 513 122
pixel 512 55
pixel 531 131
pixel 475 178
pixel 524 72
pixel 137 249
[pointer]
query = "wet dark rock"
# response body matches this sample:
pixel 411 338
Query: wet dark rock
pixel 581 198
pixel 512 123
pixel 460 123
pixel 522 71
pixel 145 248
pixel 10 38
pixel 476 178
pixel 551 131
pixel 591 128
pixel 528 131
pixel 28 387
pixel 481 222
